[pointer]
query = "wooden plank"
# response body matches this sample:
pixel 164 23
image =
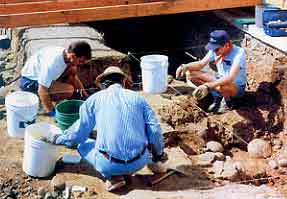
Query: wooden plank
pixel 44 6
pixel 99 2
pixel 20 1
pixel 118 11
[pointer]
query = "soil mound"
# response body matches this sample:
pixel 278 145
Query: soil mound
pixel 180 111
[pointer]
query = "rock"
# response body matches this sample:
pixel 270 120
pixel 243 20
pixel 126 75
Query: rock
pixel 67 193
pixel 259 148
pixel 57 184
pixel 238 166
pixel 219 156
pixel 230 171
pixel 282 162
pixel 42 191
pixel 273 164
pixel 228 157
pixel 206 158
pixel 217 168
pixel 214 146
pixel 76 188
pixel 277 144
pixel 48 195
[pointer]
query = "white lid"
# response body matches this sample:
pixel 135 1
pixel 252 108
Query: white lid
pixel 22 99
pixel 154 58
pixel 70 158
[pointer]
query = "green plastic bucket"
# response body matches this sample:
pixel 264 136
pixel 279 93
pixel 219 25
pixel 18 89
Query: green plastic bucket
pixel 67 112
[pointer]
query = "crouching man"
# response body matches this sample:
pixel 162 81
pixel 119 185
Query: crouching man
pixel 52 73
pixel 230 80
pixel 128 134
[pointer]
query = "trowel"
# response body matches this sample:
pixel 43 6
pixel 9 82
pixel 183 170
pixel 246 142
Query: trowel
pixel 164 171
pixel 157 178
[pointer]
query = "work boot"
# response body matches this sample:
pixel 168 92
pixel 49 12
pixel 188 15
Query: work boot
pixel 219 105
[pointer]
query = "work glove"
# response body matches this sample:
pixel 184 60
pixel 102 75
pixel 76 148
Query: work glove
pixel 159 158
pixel 200 92
pixel 157 165
pixel 181 70
pixel 52 113
pixel 51 138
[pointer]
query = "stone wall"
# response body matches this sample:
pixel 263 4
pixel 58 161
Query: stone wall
pixel 267 64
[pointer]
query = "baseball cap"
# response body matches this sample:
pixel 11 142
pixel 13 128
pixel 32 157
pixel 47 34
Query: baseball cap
pixel 217 39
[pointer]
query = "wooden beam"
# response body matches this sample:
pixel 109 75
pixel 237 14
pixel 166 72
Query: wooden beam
pixel 19 1
pixel 118 11
pixel 43 6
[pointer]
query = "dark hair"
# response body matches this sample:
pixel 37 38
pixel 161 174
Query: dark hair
pixel 81 49
pixel 114 78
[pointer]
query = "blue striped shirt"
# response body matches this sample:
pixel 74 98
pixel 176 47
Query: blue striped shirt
pixel 124 121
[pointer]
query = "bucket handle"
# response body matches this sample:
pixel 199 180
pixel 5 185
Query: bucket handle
pixel 24 124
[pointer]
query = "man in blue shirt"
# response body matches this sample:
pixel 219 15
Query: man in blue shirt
pixel 230 80
pixel 127 130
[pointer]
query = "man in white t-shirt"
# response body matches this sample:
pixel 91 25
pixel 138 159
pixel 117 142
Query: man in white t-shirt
pixel 52 73
pixel 230 80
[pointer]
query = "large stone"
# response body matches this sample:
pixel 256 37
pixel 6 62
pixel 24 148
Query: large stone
pixel 219 156
pixel 214 146
pixel 206 159
pixel 282 162
pixel 57 184
pixel 273 164
pixel 259 148
pixel 230 171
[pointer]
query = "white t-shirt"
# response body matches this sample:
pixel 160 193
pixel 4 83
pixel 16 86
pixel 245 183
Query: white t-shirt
pixel 235 56
pixel 45 66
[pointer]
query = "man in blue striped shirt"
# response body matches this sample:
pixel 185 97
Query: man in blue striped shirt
pixel 128 133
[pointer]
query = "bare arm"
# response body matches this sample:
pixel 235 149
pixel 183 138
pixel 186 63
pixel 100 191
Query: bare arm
pixel 45 98
pixel 77 83
pixel 198 65
pixel 227 79
pixel 192 66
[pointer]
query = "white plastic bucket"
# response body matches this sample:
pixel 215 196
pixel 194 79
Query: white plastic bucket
pixel 39 157
pixel 154 73
pixel 22 108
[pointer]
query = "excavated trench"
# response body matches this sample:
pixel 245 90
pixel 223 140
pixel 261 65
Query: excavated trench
pixel 259 114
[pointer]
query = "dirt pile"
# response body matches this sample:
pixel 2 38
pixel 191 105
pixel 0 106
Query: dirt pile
pixel 181 111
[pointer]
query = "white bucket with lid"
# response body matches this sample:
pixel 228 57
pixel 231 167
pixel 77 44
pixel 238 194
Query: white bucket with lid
pixel 40 157
pixel 22 108
pixel 154 73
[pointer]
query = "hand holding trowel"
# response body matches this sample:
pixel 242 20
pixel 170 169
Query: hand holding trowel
pixel 171 166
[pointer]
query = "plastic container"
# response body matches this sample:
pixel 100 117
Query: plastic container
pixel 274 22
pixel 154 73
pixel 22 108
pixel 40 157
pixel 67 112
pixel 259 11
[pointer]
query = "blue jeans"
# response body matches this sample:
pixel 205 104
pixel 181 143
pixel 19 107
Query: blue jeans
pixel 106 167
pixel 29 85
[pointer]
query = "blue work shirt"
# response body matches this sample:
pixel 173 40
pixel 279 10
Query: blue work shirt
pixel 236 56
pixel 124 121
